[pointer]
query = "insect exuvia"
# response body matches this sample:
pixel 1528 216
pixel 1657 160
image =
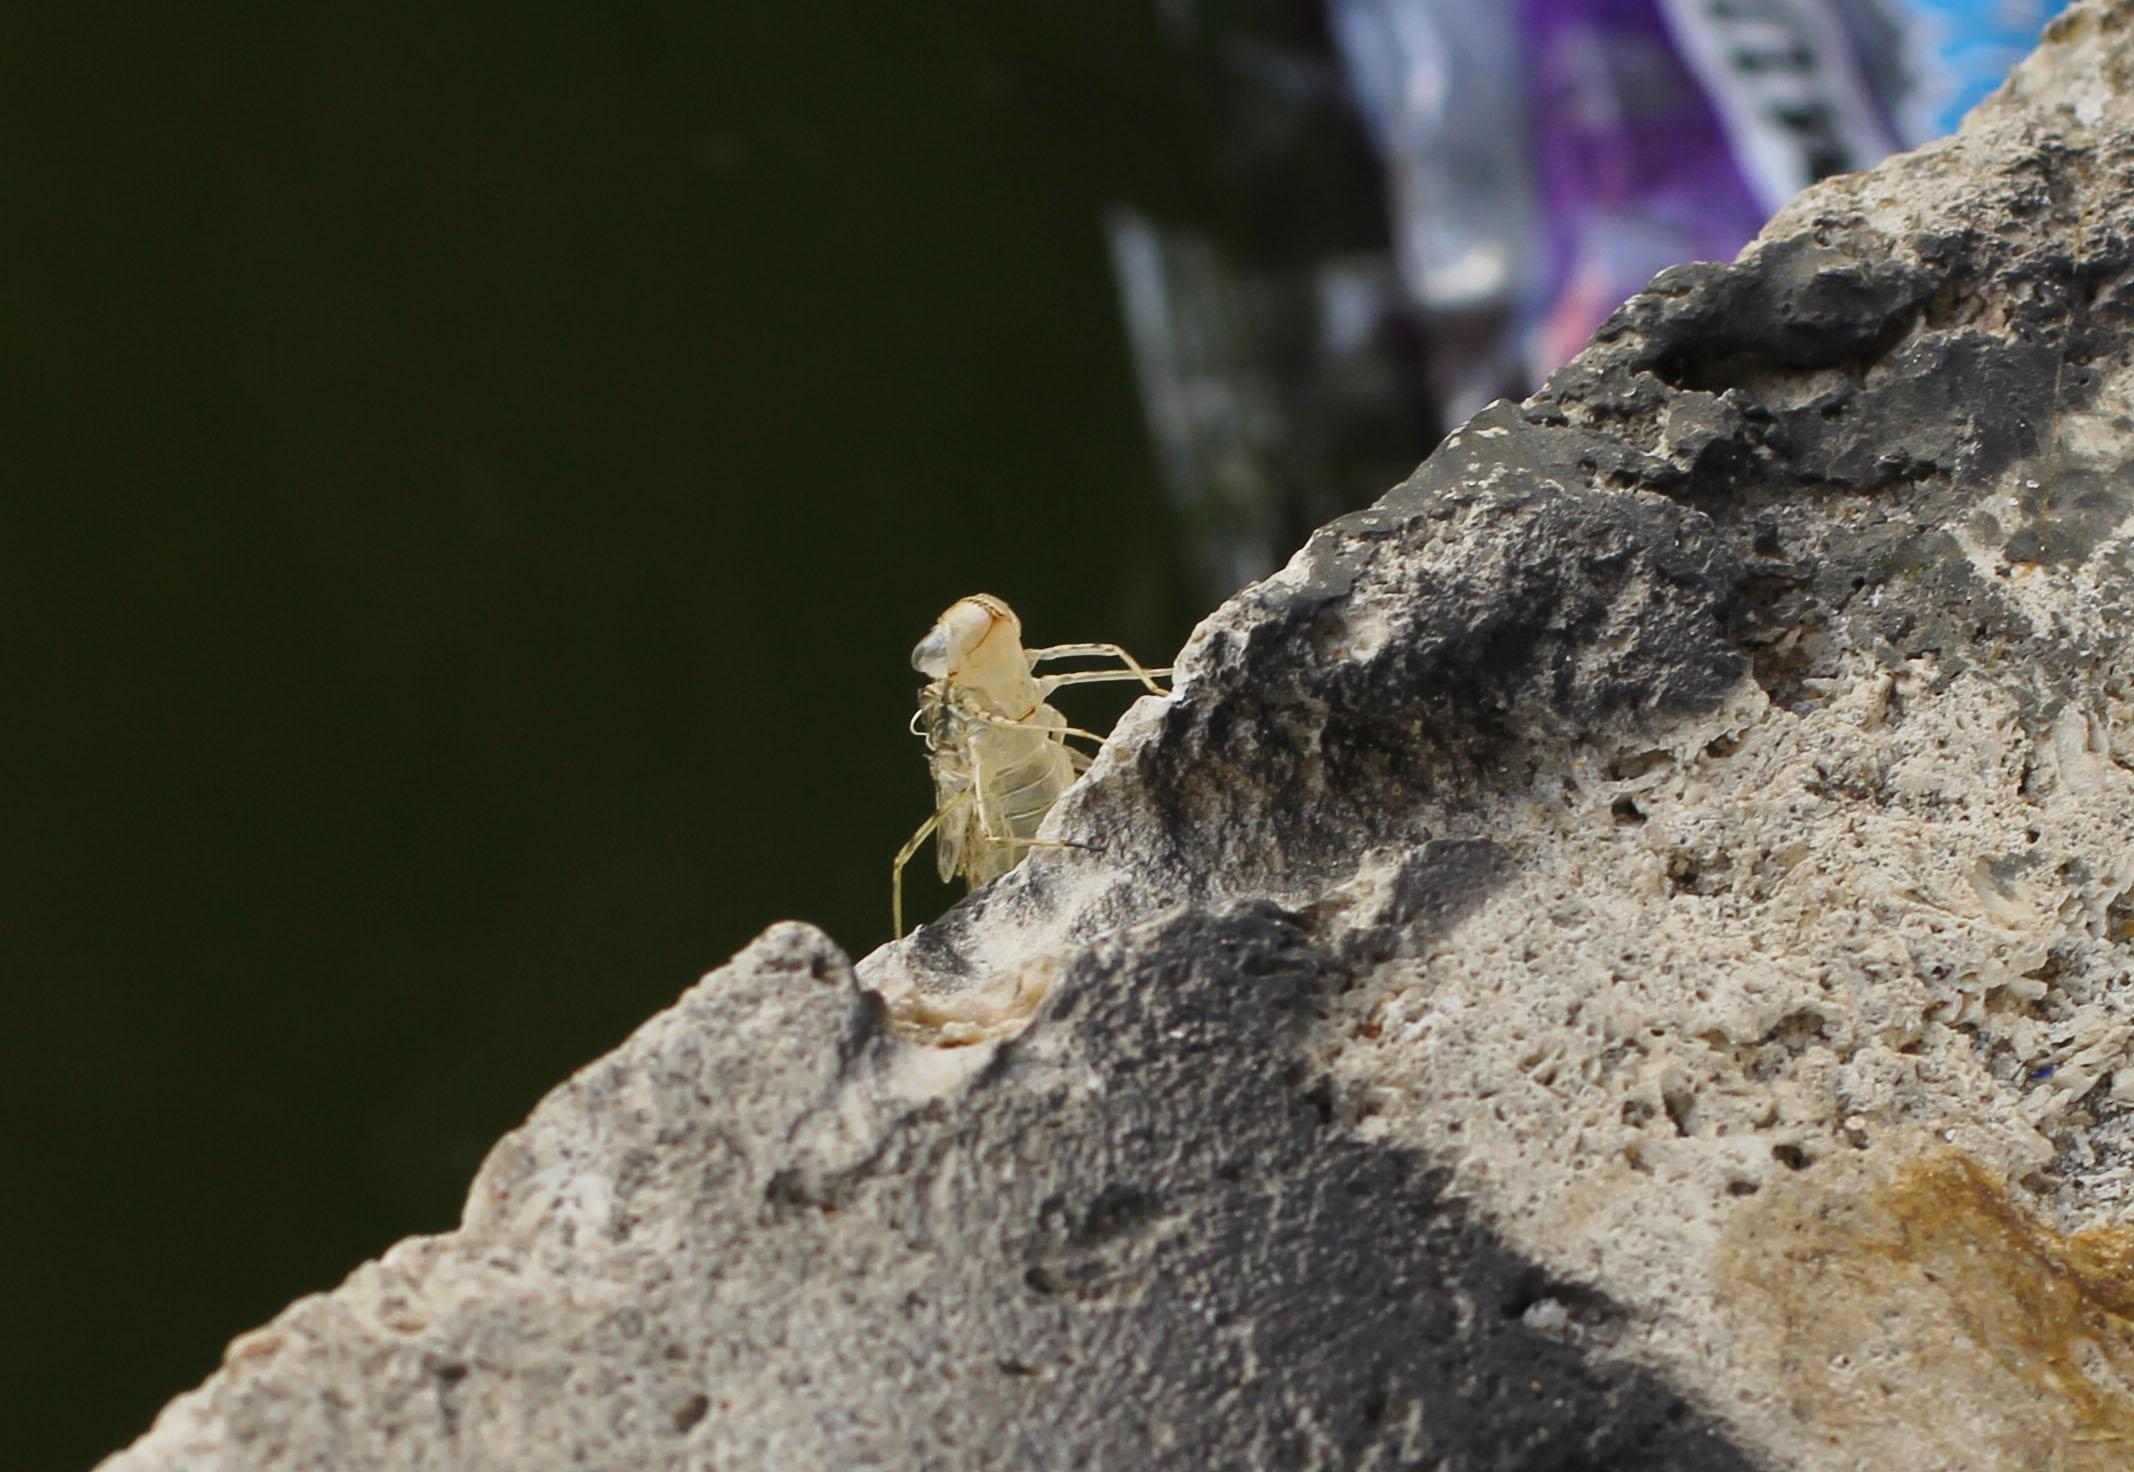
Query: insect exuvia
pixel 999 753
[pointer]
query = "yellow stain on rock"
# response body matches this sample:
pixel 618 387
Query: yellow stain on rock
pixel 1917 1316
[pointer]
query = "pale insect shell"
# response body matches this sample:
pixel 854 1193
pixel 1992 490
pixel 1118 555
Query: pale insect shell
pixel 997 749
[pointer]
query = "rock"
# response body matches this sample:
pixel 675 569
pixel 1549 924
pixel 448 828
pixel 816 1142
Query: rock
pixel 1619 956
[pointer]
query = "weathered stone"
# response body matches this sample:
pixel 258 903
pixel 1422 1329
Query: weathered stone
pixel 1619 956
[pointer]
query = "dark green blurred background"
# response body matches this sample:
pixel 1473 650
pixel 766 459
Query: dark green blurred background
pixel 474 474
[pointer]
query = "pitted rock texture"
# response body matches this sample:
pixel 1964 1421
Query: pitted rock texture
pixel 1620 955
pixel 1137 1238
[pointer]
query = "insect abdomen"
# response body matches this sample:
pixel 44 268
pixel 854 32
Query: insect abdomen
pixel 1020 775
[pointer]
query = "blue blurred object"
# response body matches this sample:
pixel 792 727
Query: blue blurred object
pixel 1551 156
pixel 1954 52
pixel 1537 162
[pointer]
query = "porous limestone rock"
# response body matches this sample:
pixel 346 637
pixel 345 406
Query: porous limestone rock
pixel 1621 955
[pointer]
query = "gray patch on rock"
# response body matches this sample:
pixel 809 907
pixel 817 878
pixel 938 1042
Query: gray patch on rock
pixel 1192 1260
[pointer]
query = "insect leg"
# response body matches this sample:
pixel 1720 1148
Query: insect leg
pixel 1096 651
pixel 1014 725
pixel 896 865
pixel 1050 683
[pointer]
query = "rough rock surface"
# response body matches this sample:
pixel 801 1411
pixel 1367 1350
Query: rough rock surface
pixel 1620 956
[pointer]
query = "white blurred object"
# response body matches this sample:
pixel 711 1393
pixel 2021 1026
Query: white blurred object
pixel 1439 87
pixel 1786 78
pixel 1271 394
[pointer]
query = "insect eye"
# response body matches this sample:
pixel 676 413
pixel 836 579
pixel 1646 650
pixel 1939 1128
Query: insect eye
pixel 932 656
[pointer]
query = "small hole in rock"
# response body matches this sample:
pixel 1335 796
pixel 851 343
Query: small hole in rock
pixel 1636 764
pixel 1681 1106
pixel 1792 1157
pixel 2119 919
pixel 1528 1289
pixel 1627 812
